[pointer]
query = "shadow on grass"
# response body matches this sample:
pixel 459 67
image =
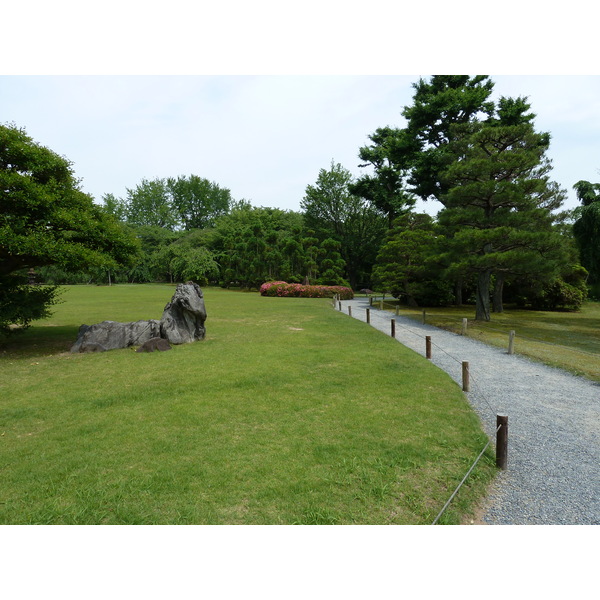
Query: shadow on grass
pixel 39 341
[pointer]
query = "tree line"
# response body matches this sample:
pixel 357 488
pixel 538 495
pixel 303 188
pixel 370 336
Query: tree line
pixel 500 235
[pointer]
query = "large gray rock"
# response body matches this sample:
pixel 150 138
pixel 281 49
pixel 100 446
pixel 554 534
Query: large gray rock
pixel 183 318
pixel 111 335
pixel 182 321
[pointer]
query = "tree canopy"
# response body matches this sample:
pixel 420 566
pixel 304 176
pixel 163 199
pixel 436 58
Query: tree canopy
pixel 333 212
pixel 586 230
pixel 499 203
pixel 46 219
pixel 486 164
pixel 173 203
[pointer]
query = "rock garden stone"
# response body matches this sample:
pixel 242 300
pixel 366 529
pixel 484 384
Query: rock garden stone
pixel 182 322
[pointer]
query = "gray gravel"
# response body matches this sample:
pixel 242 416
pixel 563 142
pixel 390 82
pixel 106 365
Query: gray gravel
pixel 553 475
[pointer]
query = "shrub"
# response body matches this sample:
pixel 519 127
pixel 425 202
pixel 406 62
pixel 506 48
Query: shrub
pixel 559 295
pixel 297 290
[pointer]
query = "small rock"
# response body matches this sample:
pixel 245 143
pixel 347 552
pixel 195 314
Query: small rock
pixel 153 344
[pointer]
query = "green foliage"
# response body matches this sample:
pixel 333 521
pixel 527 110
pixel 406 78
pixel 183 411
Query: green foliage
pixel 20 303
pixel 586 228
pixel 438 105
pixel 187 263
pixel 253 245
pixel 407 264
pixel 559 295
pixel 565 292
pixel 332 212
pixel 332 264
pixel 197 201
pixel 587 192
pixel 173 203
pixel 149 204
pixel 499 204
pixel 389 156
pixel 47 220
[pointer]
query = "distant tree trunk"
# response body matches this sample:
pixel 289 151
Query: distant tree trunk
pixel 482 304
pixel 458 299
pixel 498 290
pixel 410 299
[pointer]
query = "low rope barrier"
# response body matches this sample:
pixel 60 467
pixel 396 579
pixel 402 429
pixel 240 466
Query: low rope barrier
pixel 500 451
pixel 513 326
pixel 463 479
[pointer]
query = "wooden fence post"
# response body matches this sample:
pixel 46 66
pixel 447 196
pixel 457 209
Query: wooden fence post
pixel 428 346
pixel 368 315
pixel 381 305
pixel 511 342
pixel 465 376
pixel 464 326
pixel 502 441
pixel 350 311
pixel 397 309
pixel 393 323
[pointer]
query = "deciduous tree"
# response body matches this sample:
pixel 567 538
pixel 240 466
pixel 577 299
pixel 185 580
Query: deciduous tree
pixel 197 201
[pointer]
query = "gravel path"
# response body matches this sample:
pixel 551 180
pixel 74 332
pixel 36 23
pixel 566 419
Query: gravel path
pixel 553 475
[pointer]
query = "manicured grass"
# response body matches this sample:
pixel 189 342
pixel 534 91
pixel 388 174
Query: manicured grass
pixel 568 340
pixel 287 413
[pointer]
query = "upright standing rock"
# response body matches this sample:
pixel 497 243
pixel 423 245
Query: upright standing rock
pixel 183 318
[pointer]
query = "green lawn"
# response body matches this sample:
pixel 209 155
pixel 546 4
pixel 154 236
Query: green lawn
pixel 568 340
pixel 287 413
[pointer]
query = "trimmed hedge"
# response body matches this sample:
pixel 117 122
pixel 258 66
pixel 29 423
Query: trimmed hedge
pixel 297 290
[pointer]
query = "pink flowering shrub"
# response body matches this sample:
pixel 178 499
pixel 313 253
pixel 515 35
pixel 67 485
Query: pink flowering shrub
pixel 297 290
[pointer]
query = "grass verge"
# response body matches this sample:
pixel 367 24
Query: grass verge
pixel 567 340
pixel 287 413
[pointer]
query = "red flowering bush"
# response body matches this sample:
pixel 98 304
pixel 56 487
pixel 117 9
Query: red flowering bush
pixel 297 290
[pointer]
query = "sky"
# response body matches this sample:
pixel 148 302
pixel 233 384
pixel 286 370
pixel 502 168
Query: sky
pixel 264 137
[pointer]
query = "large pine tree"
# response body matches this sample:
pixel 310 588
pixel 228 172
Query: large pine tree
pixel 500 205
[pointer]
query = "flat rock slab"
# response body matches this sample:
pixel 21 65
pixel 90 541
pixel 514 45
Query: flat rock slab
pixel 110 335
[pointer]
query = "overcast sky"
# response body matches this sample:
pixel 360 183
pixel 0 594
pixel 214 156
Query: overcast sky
pixel 263 137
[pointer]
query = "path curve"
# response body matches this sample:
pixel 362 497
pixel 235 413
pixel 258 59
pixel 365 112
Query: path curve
pixel 553 475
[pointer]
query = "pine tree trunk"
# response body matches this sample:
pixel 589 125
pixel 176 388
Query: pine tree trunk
pixel 410 299
pixel 482 305
pixel 497 297
pixel 458 299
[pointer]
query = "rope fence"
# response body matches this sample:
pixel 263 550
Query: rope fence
pixel 467 380
pixel 462 326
